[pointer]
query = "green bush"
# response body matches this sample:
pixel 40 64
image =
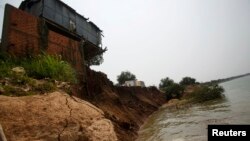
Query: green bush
pixel 187 81
pixel 165 82
pixel 170 88
pixel 206 93
pixel 173 91
pixel 46 66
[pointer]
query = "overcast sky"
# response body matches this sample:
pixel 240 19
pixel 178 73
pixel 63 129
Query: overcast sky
pixel 204 39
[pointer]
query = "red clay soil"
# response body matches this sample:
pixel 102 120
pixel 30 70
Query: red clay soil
pixel 126 107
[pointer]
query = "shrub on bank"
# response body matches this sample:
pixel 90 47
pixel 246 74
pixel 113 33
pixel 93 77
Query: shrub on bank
pixel 206 93
pixel 174 91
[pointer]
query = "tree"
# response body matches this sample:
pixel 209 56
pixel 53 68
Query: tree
pixel 125 76
pixel 171 89
pixel 97 59
pixel 187 81
pixel 165 83
pixel 174 91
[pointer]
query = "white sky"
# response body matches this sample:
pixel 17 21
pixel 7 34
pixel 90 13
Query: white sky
pixel 153 39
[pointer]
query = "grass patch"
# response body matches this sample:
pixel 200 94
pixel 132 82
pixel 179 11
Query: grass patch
pixel 26 76
pixel 46 66
pixel 21 80
pixel 15 91
pixel 39 67
pixel 5 68
pixel 45 87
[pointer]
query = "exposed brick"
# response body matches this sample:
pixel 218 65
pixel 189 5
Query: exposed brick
pixel 23 38
pixel 22 21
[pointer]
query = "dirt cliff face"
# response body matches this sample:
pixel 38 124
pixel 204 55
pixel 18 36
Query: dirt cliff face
pixel 126 107
pixel 115 113
pixel 53 117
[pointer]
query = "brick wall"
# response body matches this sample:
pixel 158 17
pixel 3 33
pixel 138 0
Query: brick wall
pixel 24 34
pixel 19 31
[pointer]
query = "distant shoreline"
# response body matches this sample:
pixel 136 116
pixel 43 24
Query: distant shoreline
pixel 225 79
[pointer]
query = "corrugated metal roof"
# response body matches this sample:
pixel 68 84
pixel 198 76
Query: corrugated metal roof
pixel 62 14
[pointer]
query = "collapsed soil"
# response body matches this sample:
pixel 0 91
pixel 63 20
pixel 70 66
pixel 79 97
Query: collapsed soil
pixel 126 107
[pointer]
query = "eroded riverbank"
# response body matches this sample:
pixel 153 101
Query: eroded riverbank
pixel 190 124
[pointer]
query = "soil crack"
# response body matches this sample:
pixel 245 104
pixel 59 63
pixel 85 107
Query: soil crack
pixel 66 120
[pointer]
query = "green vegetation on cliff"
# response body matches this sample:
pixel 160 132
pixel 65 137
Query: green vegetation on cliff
pixel 39 67
pixel 40 74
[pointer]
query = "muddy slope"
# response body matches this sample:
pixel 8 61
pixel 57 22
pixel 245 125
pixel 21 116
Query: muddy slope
pixel 126 107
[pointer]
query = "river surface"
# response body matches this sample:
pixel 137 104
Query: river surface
pixel 190 124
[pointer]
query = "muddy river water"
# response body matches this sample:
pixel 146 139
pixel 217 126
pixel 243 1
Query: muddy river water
pixel 190 124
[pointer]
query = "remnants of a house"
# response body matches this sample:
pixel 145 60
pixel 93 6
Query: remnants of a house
pixel 134 83
pixel 64 18
pixel 53 27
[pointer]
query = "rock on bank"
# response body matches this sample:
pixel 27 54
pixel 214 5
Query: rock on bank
pixel 53 117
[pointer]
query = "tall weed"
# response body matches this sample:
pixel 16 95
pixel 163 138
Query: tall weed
pixel 47 66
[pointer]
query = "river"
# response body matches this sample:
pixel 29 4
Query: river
pixel 190 124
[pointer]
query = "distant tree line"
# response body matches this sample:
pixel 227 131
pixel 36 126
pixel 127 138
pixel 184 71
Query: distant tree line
pixel 172 90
